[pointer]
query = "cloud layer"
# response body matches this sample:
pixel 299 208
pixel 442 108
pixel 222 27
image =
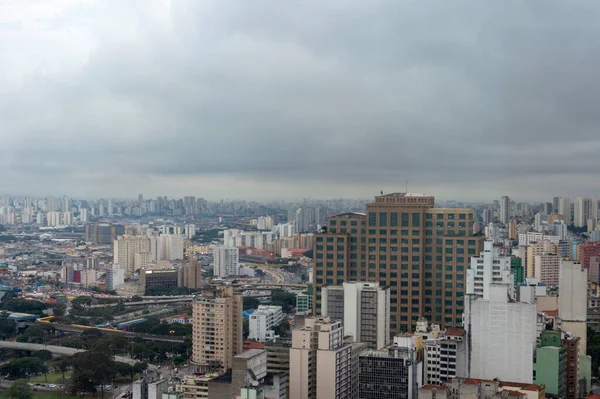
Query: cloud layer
pixel 280 99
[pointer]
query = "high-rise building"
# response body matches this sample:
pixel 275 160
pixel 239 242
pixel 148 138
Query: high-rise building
pixel 125 249
pixel 67 218
pixel 217 328
pixel 363 309
pixel 547 267
pixel 420 252
pixel 190 231
pixel 504 209
pixel 501 336
pixel 226 261
pixel 555 202
pixel 166 247
pixel 550 364
pixel 572 301
pixel 564 209
pixel 584 209
pixel 491 267
pixel 53 219
pixel 320 361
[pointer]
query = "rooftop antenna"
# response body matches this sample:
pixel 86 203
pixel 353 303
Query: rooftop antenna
pixel 406 186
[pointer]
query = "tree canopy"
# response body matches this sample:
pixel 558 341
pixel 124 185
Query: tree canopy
pixel 24 367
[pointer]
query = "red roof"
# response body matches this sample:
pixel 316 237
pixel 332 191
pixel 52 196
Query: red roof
pixel 552 313
pixel 511 393
pixel 459 332
pixel 520 385
pixel 593 396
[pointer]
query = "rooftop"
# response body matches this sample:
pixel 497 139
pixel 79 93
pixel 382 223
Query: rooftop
pixel 249 353
pixel 459 332
pixel 403 195
pixel 430 387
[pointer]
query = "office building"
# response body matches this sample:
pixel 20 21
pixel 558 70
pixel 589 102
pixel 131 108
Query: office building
pixel 125 249
pixel 572 301
pixel 420 252
pixel 501 336
pixel 115 276
pixel 490 267
pixel 304 301
pixel 103 233
pixel 395 372
pixel 320 361
pixel 504 209
pixel 159 278
pixel 363 309
pixel 226 261
pixel 263 321
pixel 564 209
pixel 217 328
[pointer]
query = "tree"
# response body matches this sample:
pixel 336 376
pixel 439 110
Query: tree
pixel 250 303
pixel 7 327
pixel 20 390
pixel 92 368
pixel 81 302
pixel 24 367
pixel 60 309
pixel 283 329
pixel 44 355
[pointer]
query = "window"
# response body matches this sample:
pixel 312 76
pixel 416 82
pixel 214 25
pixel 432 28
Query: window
pixel 372 219
pixel 416 219
pixel 382 219
pixel 404 219
pixel 393 219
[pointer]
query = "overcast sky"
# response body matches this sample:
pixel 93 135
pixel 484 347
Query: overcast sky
pixel 296 98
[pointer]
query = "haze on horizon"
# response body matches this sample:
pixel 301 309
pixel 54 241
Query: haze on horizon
pixel 468 100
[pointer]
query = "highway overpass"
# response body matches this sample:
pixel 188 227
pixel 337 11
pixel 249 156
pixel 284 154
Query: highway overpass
pixel 145 303
pixel 128 334
pixel 59 350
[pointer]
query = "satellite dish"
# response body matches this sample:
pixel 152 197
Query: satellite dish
pixel 254 383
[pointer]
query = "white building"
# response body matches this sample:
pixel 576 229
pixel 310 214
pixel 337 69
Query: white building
pixel 363 308
pixel 190 231
pixel 491 267
pixel 559 228
pixel 533 236
pixel 444 356
pixel 226 261
pixel 115 276
pixel 67 218
pixel 166 247
pixel 262 322
pixel 286 229
pixel 53 219
pixel 572 301
pixel 83 215
pixel 125 249
pixel 530 289
pixel 241 238
pixel 264 223
pixel 501 336
pixel 584 209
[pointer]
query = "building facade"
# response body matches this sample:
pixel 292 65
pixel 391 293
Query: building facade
pixel 364 310
pixel 263 321
pixel 217 328
pixel 226 261
pixel 420 252
pixel 490 267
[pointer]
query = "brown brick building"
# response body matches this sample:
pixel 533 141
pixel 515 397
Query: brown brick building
pixel 420 252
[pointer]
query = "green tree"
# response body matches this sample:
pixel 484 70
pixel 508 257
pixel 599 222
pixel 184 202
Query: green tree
pixel 250 303
pixel 44 355
pixel 81 302
pixel 92 368
pixel 20 390
pixel 24 367
pixel 60 309
pixel 7 327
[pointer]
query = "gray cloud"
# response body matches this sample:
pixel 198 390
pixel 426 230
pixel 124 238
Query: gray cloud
pixel 466 99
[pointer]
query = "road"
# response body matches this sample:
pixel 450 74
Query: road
pixel 148 337
pixel 276 275
pixel 59 350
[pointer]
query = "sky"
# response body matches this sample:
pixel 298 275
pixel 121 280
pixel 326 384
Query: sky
pixel 278 99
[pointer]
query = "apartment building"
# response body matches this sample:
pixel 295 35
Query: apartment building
pixel 217 328
pixel 489 267
pixel 263 321
pixel 421 252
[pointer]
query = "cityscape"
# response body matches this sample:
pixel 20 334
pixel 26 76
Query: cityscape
pixel 400 296
pixel 310 199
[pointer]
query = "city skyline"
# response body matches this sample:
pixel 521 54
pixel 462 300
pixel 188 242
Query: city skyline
pixel 463 100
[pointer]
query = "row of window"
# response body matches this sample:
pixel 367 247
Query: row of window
pixel 404 241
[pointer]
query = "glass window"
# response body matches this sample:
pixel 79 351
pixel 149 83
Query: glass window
pixel 372 219
pixel 416 219
pixel 404 219
pixel 393 219
pixel 382 219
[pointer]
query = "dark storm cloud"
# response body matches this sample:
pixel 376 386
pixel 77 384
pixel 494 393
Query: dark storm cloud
pixel 464 98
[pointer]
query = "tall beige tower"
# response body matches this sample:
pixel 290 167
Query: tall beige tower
pixel 125 249
pixel 217 328
pixel 320 362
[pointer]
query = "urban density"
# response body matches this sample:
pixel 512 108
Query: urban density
pixel 401 296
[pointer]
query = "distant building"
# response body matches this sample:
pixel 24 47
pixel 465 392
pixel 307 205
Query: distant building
pixel 115 276
pixel 103 233
pixel 572 301
pixel 125 249
pixel 163 278
pixel 473 388
pixel 192 275
pixel 226 261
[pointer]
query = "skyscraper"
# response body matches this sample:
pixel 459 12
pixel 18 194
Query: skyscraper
pixel 420 252
pixel 584 209
pixel 125 249
pixel 504 209
pixel 217 328
pixel 363 309
pixel 572 301
pixel 564 209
